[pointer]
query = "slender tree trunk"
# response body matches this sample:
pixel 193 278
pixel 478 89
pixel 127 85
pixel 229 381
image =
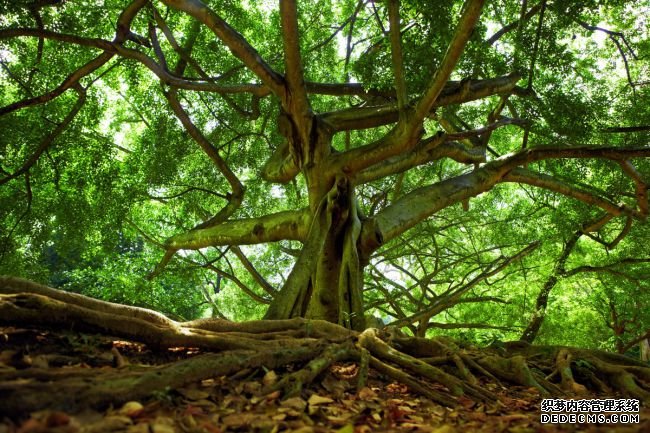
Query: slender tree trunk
pixel 536 321
pixel 644 346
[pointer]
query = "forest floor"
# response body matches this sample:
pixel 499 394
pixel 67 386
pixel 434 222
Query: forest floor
pixel 235 403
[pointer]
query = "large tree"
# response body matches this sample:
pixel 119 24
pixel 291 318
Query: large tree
pixel 332 101
pixel 355 139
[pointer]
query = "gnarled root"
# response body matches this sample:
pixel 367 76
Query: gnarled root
pixel 305 348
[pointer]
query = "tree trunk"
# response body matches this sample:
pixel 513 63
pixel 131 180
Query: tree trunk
pixel 326 281
pixel 645 350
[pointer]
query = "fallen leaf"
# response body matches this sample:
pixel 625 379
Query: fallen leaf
pixel 366 393
pixel 316 399
pixel 273 396
pixel 445 429
pixel 295 403
pixel 131 409
pixel 238 419
pixel 270 378
pixel 162 428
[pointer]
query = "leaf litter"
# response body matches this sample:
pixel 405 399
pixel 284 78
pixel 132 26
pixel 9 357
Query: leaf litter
pixel 238 403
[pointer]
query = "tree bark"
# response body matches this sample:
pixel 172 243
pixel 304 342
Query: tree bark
pixel 326 281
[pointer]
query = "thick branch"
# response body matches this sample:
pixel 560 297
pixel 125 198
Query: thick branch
pixel 290 225
pixel 464 29
pixel 521 175
pixel 453 93
pixel 239 46
pixel 281 167
pixel 70 81
pixel 428 151
pixel 423 202
pixel 407 133
pixel 297 102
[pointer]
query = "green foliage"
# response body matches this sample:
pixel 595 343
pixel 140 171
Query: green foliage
pixel 90 216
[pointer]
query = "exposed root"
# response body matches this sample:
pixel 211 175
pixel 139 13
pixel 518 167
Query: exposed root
pixel 438 369
pixel 292 383
pixel 61 390
pixel 410 381
pixel 567 383
pixel 364 363
pixel 456 386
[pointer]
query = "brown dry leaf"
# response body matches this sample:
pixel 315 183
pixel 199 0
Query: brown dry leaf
pixel 445 429
pixel 237 420
pixel 416 418
pixel 206 405
pixel 366 393
pixel 514 417
pixel 296 403
pixel 416 426
pixel 32 426
pixel 316 399
pixel 477 416
pixel 162 428
pixel 207 383
pixel 273 396
pixel 57 419
pixel 344 371
pixel 466 402
pixel 193 410
pixel 290 412
pixel 338 420
pixel 132 409
pixel 397 388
